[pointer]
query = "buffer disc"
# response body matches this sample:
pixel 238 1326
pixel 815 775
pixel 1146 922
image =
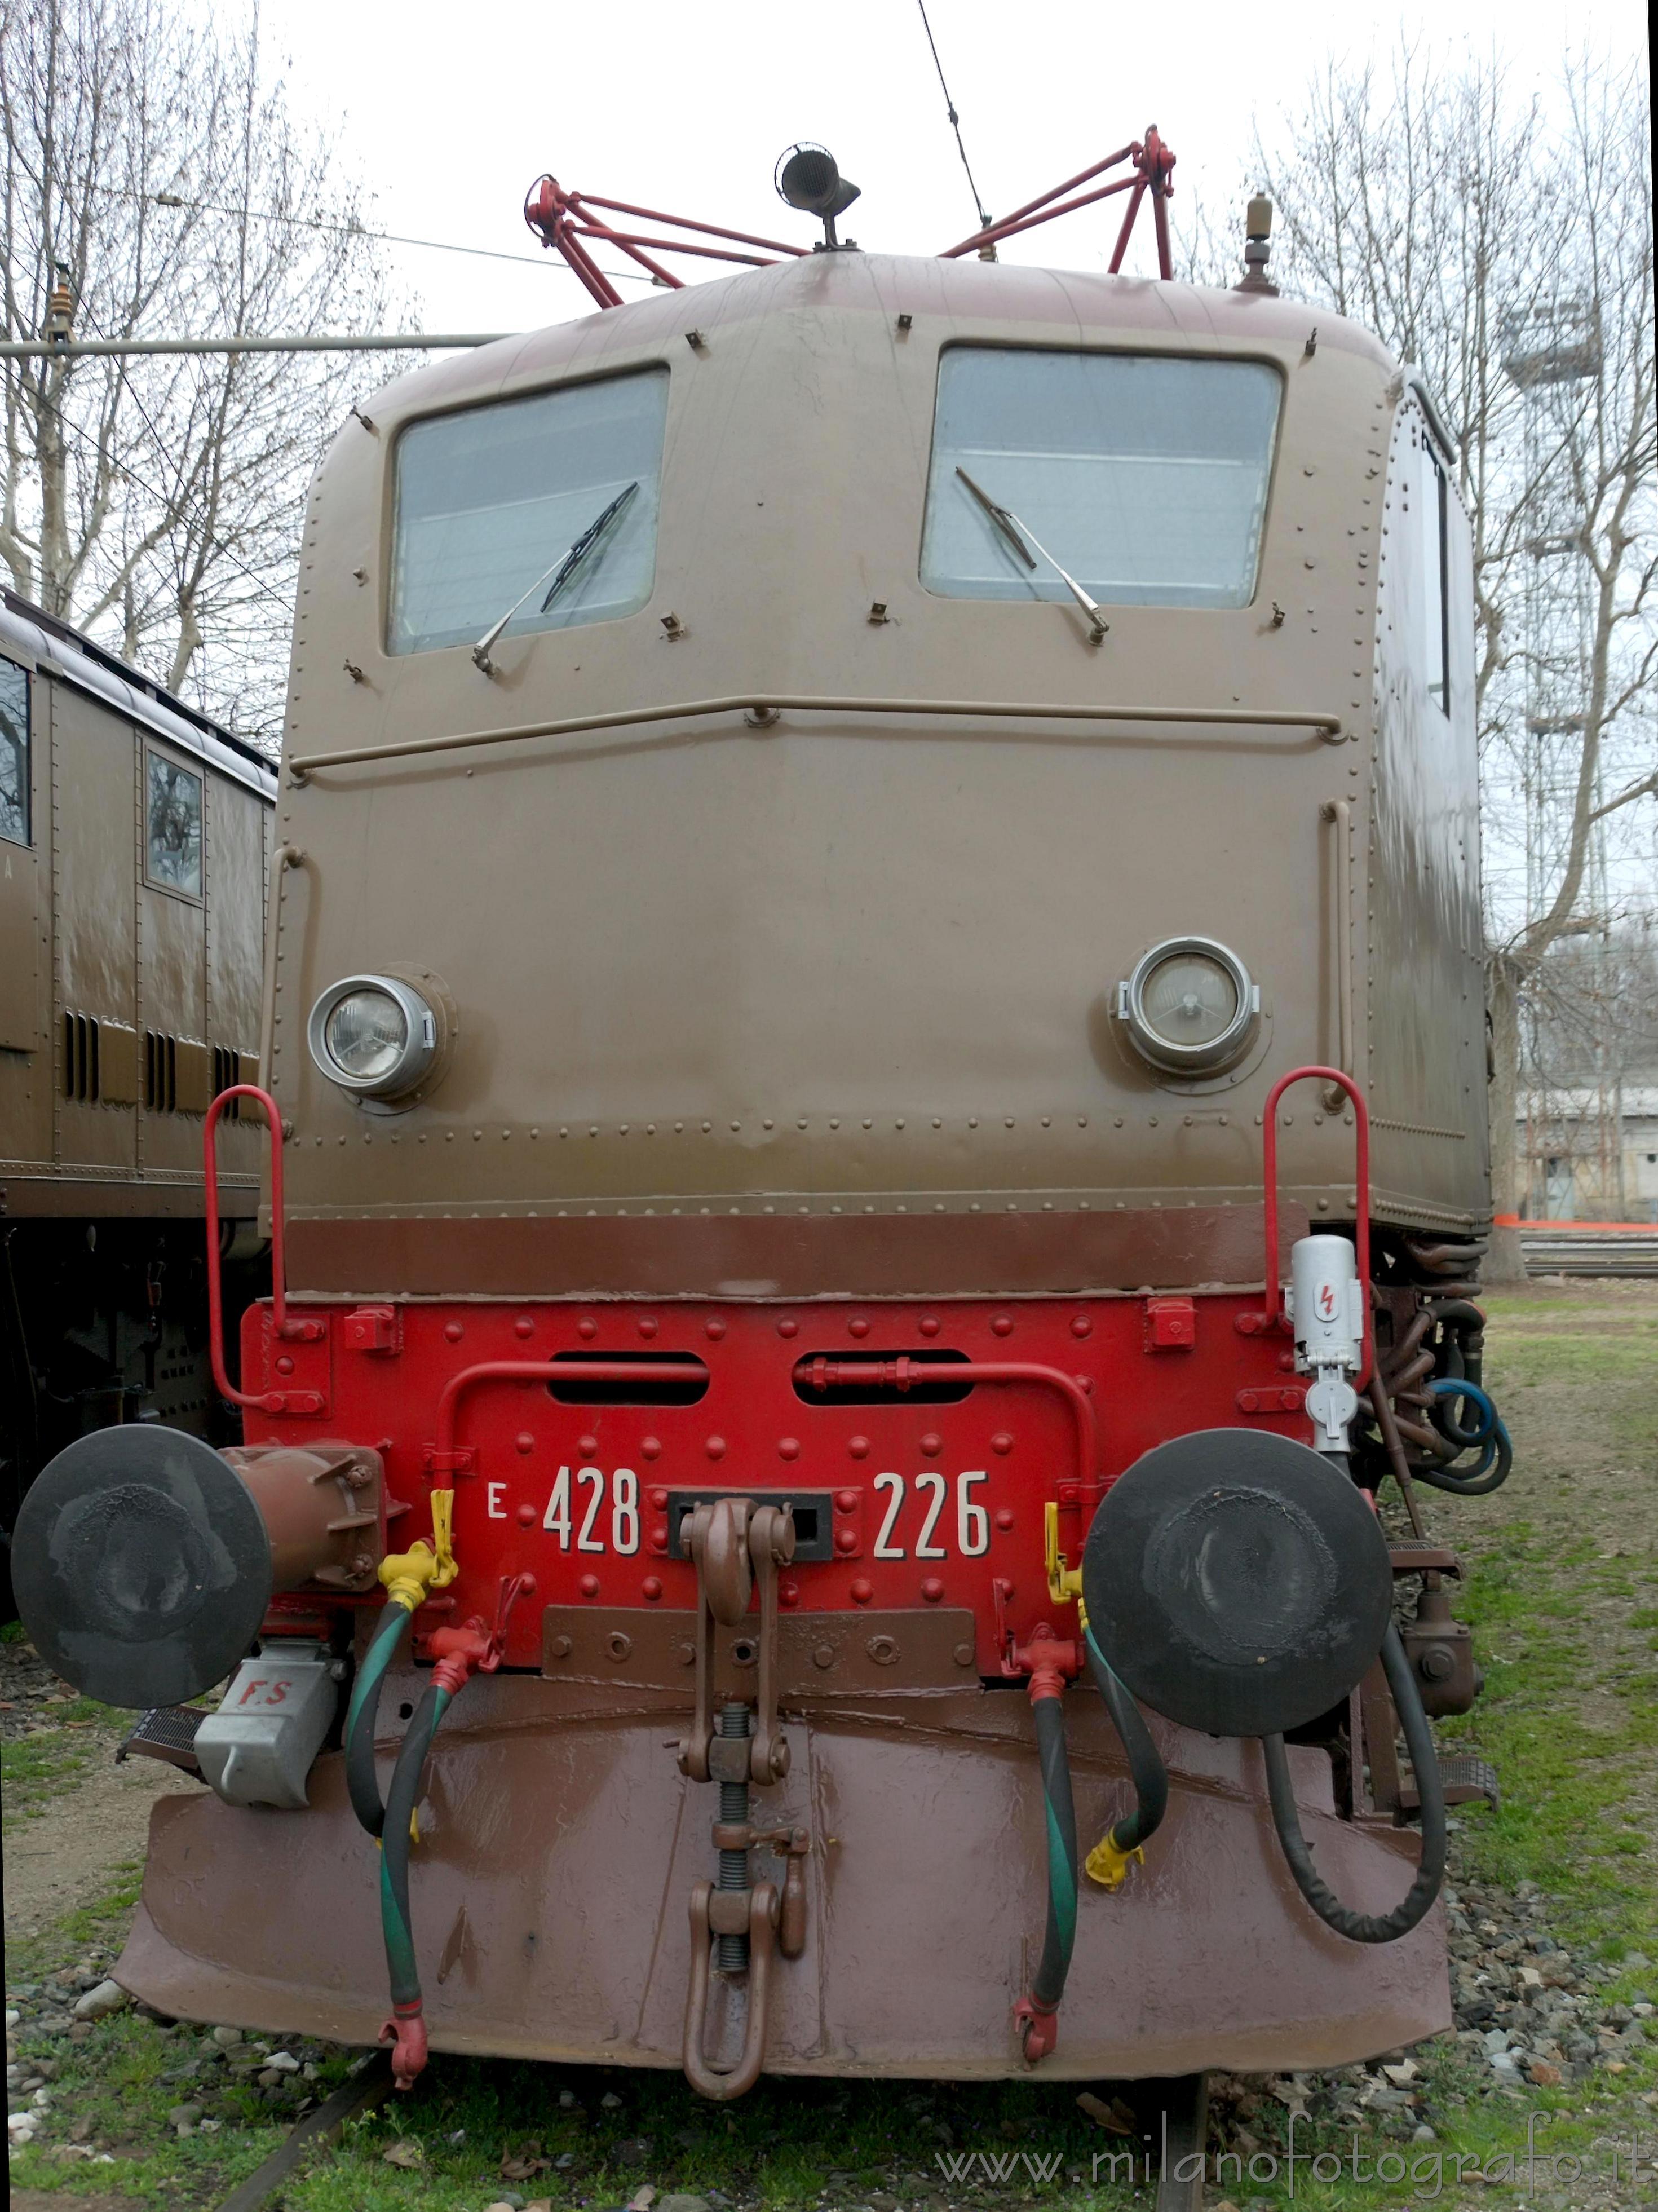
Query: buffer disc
pixel 1236 1582
pixel 141 1564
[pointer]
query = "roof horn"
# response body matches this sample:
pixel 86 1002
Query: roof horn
pixel 809 178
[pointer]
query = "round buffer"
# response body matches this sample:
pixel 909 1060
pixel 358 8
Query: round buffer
pixel 1236 1582
pixel 141 1565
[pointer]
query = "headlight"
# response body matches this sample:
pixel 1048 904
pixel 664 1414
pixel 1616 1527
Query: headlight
pixel 1189 1006
pixel 372 1034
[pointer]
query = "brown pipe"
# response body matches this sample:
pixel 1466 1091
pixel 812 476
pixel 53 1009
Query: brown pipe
pixel 1385 1421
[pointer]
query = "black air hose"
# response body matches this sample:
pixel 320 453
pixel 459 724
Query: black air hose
pixel 1145 1767
pixel 1366 1927
pixel 1497 1455
pixel 1492 1473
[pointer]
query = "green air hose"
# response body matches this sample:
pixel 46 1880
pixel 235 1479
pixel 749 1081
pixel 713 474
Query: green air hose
pixel 362 1716
pixel 397 1921
pixel 1060 1934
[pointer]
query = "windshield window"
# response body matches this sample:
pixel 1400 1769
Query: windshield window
pixel 490 500
pixel 1143 475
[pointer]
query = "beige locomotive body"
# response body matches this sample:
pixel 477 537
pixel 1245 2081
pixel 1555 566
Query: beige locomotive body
pixel 856 965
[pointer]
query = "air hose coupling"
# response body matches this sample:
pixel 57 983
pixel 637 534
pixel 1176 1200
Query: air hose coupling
pixel 408 1575
pixel 405 2032
pixel 1108 1862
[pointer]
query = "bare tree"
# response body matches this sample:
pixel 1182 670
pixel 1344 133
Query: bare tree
pixel 154 173
pixel 1445 216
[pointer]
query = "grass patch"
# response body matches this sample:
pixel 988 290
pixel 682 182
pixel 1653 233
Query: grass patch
pixel 34 1768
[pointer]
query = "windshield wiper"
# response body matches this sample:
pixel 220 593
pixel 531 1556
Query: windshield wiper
pixel 560 572
pixel 1021 538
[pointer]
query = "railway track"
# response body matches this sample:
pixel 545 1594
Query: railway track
pixel 1568 1251
pixel 369 2086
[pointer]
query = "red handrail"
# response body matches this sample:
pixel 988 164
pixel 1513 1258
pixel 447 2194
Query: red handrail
pixel 270 1401
pixel 903 1374
pixel 1362 1195
pixel 528 1371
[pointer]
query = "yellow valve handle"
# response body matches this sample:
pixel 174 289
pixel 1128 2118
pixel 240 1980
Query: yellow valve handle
pixel 1108 1866
pixel 408 1575
pixel 1064 1583
pixel 443 1526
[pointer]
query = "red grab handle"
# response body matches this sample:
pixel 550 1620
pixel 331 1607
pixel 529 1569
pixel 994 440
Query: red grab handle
pixel 1362 1188
pixel 269 1402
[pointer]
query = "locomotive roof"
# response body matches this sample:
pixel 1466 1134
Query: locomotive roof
pixel 1056 304
pixel 45 641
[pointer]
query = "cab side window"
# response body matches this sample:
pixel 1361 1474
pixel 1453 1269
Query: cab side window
pixel 173 844
pixel 13 753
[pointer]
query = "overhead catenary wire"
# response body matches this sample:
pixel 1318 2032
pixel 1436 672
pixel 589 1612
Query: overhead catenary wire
pixel 250 342
pixel 347 229
pixel 955 120
pixel 132 477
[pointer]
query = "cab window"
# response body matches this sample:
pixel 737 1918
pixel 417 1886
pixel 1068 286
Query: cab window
pixel 1144 476
pixel 172 841
pixel 550 500
pixel 13 753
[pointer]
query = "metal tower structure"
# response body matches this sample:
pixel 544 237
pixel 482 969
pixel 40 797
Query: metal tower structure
pixel 1549 352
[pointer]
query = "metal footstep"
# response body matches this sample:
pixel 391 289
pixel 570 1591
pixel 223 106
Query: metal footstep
pixel 1464 1779
pixel 167 1733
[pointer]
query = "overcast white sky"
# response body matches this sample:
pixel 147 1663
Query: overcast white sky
pixel 447 113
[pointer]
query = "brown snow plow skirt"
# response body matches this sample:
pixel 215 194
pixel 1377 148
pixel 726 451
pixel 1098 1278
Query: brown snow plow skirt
pixel 559 1843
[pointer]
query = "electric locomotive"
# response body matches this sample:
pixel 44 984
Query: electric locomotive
pixel 873 854
pixel 132 872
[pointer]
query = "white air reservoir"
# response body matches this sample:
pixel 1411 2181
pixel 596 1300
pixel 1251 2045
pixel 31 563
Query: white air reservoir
pixel 1327 1304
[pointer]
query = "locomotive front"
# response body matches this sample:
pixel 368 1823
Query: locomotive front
pixel 821 817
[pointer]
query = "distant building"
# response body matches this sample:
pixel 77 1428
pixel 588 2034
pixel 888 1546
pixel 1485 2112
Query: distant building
pixel 1587 1162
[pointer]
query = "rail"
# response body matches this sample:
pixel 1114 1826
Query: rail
pixel 1340 812
pixel 763 708
pixel 285 858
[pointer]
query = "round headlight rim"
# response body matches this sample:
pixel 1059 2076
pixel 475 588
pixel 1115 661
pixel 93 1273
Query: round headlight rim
pixel 1167 1056
pixel 414 1064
